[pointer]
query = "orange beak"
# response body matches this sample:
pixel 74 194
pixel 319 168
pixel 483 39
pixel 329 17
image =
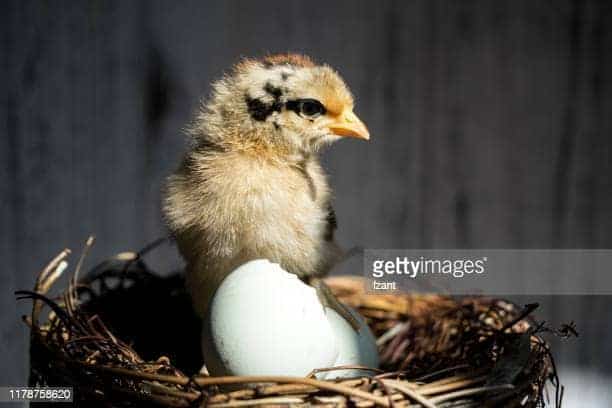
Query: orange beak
pixel 348 124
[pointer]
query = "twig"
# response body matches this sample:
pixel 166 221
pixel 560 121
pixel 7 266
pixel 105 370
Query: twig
pixel 411 392
pixel 344 367
pixel 259 401
pixel 438 389
pixel 470 391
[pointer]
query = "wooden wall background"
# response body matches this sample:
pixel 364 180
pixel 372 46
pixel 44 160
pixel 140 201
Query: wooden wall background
pixel 491 127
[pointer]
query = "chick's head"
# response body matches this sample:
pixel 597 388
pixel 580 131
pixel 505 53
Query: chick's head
pixel 284 101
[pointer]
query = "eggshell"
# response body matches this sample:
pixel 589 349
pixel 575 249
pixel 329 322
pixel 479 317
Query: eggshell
pixel 265 321
pixel 356 347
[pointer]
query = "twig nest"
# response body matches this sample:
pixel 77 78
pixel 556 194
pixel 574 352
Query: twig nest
pixel 264 320
pixel 104 338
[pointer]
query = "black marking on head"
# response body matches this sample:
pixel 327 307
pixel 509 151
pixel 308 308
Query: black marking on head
pixel 285 75
pixel 260 110
pixel 275 91
pixel 276 125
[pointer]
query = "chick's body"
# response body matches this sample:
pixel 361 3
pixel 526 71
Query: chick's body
pixel 243 205
pixel 251 186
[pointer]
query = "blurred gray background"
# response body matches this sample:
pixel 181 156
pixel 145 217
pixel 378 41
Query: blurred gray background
pixel 491 127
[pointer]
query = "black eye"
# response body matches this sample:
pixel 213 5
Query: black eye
pixel 306 107
pixel 310 107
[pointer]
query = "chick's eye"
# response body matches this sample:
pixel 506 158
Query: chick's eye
pixel 310 108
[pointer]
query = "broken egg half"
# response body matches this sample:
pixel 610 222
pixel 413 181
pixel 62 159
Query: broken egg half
pixel 264 320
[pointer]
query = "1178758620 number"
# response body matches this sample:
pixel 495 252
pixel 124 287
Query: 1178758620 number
pixel 36 394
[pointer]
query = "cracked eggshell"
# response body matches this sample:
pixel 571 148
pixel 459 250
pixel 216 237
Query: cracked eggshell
pixel 263 320
pixel 356 347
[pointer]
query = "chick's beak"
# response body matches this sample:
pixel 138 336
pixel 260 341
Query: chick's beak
pixel 348 124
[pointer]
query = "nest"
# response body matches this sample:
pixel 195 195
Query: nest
pixel 124 336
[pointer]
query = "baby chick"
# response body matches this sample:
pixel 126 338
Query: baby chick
pixel 251 185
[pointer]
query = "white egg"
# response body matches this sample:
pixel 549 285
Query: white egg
pixel 265 321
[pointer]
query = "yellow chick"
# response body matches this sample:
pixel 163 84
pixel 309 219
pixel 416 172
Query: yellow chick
pixel 251 185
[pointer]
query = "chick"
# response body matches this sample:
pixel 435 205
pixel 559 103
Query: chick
pixel 251 185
